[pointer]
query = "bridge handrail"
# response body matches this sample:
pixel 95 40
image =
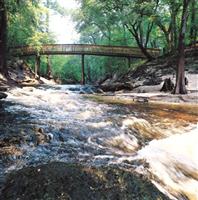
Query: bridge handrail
pixel 86 49
pixel 88 45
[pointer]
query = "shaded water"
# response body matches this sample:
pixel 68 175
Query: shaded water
pixel 44 124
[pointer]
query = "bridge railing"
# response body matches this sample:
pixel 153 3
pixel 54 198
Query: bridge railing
pixel 119 51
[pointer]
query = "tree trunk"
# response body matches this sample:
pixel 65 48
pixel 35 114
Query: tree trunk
pixel 49 71
pixel 180 87
pixel 166 34
pixel 193 28
pixel 134 32
pixel 88 73
pixel 144 51
pixel 173 32
pixel 3 38
pixel 37 66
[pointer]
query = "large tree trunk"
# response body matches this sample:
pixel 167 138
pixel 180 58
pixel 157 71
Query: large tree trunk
pixel 180 87
pixel 3 37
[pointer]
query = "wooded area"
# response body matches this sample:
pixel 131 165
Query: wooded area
pixel 112 114
pixel 166 24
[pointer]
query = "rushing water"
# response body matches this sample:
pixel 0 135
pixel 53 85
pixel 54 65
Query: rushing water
pixel 44 124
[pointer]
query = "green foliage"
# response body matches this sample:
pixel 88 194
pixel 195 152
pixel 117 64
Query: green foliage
pixel 66 67
pixel 26 23
pixel 142 23
pixel 151 23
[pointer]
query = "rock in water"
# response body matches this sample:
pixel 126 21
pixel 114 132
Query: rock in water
pixel 3 95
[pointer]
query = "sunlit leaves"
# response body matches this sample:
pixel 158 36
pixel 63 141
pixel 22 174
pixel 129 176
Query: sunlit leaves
pixel 27 22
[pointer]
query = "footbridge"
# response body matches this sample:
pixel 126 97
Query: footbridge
pixel 80 49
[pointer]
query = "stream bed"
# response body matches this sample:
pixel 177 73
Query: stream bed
pixel 54 125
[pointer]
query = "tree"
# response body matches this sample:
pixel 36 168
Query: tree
pixel 194 25
pixel 3 37
pixel 166 20
pixel 180 87
pixel 49 70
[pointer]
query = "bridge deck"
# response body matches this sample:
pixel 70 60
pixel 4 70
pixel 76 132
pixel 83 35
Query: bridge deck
pixel 82 49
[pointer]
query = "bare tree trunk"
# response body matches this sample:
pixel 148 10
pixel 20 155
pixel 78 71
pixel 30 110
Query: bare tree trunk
pixel 3 38
pixel 180 87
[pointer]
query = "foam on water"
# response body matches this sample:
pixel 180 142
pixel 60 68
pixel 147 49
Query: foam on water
pixel 174 161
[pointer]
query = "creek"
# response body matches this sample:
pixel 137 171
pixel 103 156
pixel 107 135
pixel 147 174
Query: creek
pixel 65 123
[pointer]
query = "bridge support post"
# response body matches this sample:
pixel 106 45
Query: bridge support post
pixel 83 69
pixel 37 66
pixel 49 71
pixel 129 62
